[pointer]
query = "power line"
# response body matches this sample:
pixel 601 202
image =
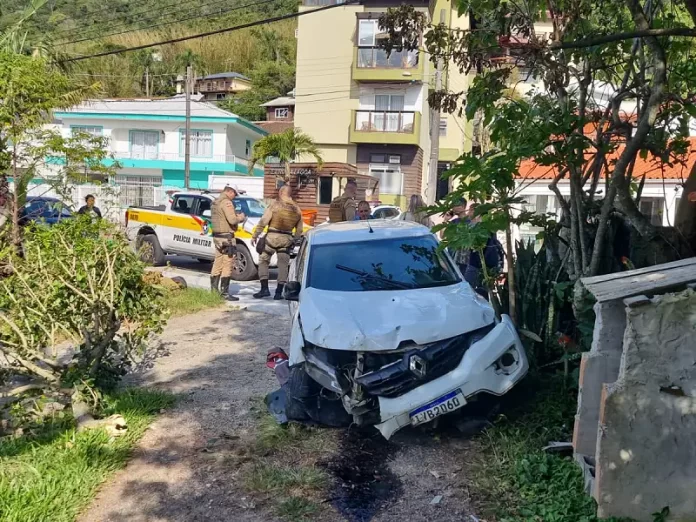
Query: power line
pixel 147 11
pixel 209 33
pixel 172 22
pixel 126 29
pixel 97 11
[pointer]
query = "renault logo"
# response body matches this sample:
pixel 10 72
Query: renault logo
pixel 418 366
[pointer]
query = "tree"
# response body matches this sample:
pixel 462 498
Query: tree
pixel 269 79
pixel 30 90
pixel 287 147
pixel 566 126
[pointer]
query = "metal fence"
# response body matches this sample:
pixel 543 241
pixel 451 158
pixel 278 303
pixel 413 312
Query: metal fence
pixel 112 200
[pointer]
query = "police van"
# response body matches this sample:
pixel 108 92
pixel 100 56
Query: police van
pixel 183 227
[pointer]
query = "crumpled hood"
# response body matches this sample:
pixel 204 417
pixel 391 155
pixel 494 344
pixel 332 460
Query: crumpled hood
pixel 381 320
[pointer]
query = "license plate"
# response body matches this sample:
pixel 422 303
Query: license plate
pixel 445 404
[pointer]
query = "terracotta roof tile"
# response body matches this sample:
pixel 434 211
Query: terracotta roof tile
pixel 274 127
pixel 652 167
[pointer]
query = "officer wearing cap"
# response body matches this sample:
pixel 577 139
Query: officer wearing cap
pixel 225 221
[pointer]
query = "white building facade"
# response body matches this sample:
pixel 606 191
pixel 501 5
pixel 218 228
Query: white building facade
pixel 147 139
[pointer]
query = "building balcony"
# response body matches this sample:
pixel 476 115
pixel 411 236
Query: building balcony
pixel 386 127
pixel 372 64
pixel 167 160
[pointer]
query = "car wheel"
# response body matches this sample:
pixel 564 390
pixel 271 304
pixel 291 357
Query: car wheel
pixel 244 268
pixel 150 251
pixel 304 401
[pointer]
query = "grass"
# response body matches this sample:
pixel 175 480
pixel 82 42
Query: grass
pixel 285 470
pixel 191 300
pixel 514 479
pixel 296 508
pixel 55 473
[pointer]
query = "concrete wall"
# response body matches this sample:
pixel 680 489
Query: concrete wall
pixel 646 452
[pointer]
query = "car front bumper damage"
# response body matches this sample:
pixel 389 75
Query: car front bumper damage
pixel 489 360
pixel 493 364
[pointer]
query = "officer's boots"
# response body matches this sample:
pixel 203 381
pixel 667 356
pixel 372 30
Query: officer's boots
pixel 279 292
pixel 264 292
pixel 215 283
pixel 225 290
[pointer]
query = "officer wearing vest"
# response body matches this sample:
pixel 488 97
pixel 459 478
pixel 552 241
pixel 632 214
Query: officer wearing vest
pixel 225 221
pixel 281 218
pixel 343 207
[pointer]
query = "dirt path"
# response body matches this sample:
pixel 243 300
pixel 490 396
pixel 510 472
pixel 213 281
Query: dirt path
pixel 187 466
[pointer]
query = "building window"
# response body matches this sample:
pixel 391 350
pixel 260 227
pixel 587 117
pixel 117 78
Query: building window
pixel 144 144
pixel 209 86
pixel 653 208
pixel 443 126
pixel 220 96
pixel 325 192
pixel 367 33
pixel 94 130
pixel 281 113
pixel 247 148
pixel 390 178
pixel 537 204
pixel 201 143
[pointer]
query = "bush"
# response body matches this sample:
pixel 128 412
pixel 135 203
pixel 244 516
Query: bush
pixel 78 280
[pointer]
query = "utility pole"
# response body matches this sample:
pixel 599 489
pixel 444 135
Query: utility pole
pixel 187 135
pixel 431 187
pixel 147 81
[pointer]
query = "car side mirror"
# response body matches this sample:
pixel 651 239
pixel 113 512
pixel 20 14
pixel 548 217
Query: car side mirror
pixel 207 213
pixel 291 292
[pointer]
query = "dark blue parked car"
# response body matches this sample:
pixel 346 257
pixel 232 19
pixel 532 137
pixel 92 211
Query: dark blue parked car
pixel 44 210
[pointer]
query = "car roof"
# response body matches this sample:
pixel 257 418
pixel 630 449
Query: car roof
pixel 42 198
pixel 352 231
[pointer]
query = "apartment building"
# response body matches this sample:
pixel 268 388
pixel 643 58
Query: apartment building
pixel 371 110
pixel 147 139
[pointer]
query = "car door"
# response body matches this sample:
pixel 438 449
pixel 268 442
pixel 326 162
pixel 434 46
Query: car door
pixel 182 227
pixel 203 242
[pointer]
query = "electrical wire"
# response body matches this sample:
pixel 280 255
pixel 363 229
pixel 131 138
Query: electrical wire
pixel 145 15
pixel 209 33
pixel 177 21
pixel 147 11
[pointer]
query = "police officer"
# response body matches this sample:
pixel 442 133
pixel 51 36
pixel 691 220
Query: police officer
pixel 225 221
pixel 343 207
pixel 281 218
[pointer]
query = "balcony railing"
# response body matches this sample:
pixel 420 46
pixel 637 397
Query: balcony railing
pixel 172 156
pixel 374 57
pixel 385 121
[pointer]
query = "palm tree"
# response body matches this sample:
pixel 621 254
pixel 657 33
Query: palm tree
pixel 286 147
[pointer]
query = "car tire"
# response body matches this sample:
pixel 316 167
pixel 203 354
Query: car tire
pixel 305 402
pixel 150 251
pixel 244 268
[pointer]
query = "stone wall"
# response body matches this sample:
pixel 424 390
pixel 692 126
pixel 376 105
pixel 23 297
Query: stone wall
pixel 646 449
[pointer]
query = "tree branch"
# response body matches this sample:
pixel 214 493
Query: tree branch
pixel 617 37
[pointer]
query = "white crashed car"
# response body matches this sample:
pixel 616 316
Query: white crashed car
pixel 384 321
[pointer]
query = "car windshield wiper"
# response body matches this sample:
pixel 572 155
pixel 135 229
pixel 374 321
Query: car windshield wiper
pixel 375 277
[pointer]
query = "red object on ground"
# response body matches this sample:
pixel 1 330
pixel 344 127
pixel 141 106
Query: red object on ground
pixel 275 357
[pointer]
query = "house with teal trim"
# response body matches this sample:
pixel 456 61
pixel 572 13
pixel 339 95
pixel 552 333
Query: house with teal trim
pixel 147 138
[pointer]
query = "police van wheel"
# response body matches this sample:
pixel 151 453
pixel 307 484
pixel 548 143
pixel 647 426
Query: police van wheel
pixel 150 250
pixel 244 267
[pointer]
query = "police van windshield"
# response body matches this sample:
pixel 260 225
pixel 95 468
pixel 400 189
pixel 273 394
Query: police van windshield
pixel 251 207
pixel 387 264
